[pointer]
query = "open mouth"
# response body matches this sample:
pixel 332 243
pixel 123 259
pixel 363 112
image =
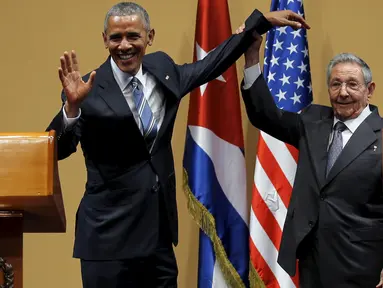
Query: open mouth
pixel 125 57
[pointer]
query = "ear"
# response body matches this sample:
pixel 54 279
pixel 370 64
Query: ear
pixel 105 39
pixel 371 88
pixel 151 34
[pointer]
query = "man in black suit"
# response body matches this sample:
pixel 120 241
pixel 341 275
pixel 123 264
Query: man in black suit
pixel 123 115
pixel 334 223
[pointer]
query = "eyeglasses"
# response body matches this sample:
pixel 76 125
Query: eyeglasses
pixel 351 86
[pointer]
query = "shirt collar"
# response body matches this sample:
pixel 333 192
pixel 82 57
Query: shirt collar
pixel 124 78
pixel 353 124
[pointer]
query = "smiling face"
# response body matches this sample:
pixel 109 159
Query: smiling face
pixel 127 38
pixel 349 94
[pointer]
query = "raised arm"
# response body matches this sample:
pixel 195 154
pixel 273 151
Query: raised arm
pixel 74 87
pixel 260 105
pixel 68 122
pixel 224 55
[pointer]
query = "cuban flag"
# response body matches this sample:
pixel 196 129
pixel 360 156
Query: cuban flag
pixel 214 162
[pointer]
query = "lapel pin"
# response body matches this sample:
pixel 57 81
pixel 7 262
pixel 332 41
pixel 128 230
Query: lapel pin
pixel 167 77
pixel 375 147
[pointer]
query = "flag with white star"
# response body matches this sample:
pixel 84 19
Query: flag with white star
pixel 286 64
pixel 287 72
pixel 214 162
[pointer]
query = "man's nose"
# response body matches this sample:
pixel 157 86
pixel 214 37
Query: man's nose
pixel 125 44
pixel 343 90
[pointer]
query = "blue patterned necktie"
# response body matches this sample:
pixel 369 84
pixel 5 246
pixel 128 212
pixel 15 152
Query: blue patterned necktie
pixel 148 122
pixel 336 145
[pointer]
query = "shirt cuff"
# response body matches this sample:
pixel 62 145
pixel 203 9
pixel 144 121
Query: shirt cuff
pixel 70 122
pixel 250 75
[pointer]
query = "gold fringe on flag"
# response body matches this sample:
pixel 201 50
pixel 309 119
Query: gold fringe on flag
pixel 206 222
pixel 255 279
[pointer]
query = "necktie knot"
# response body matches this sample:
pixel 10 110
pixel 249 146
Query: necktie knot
pixel 134 82
pixel 340 126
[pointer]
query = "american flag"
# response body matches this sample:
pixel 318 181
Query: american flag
pixel 287 72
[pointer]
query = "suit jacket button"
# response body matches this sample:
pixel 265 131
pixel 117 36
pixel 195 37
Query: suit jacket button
pixel 322 197
pixel 311 224
pixel 156 188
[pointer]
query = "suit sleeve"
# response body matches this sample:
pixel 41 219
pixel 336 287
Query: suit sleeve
pixel 67 138
pixel 223 56
pixel 265 115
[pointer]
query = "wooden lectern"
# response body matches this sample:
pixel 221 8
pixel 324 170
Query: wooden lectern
pixel 30 196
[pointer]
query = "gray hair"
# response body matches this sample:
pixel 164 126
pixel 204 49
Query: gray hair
pixel 350 58
pixel 127 9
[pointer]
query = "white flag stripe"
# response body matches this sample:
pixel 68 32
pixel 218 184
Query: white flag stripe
pixel 268 193
pixel 230 170
pixel 283 156
pixel 290 95
pixel 218 278
pixel 269 253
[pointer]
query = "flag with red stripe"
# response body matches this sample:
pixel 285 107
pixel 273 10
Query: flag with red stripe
pixel 287 72
pixel 214 162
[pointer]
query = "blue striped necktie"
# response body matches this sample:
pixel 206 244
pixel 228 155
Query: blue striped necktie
pixel 148 122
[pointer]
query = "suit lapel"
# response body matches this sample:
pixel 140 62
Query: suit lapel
pixel 162 76
pixel 170 112
pixel 170 91
pixel 110 92
pixel 361 139
pixel 318 134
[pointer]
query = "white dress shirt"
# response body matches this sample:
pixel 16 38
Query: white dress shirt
pixel 252 73
pixel 351 124
pixel 152 92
